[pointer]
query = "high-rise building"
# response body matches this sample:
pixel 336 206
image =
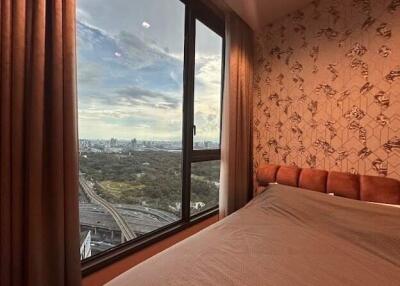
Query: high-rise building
pixel 113 142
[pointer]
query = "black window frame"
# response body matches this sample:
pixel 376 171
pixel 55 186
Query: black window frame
pixel 194 10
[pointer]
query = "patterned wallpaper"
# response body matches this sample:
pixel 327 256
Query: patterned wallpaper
pixel 327 88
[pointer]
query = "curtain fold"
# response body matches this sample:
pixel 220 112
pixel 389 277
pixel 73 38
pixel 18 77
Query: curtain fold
pixel 39 218
pixel 236 142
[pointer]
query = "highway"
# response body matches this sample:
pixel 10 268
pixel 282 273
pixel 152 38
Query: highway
pixel 87 188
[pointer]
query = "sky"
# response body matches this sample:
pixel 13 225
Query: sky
pixel 130 71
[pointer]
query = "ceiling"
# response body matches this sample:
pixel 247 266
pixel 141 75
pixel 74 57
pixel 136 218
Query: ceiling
pixel 258 13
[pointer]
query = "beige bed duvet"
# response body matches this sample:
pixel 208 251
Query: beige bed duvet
pixel 284 236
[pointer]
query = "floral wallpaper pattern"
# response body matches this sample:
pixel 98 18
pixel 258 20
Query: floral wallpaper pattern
pixel 327 88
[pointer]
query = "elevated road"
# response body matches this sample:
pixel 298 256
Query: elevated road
pixel 95 198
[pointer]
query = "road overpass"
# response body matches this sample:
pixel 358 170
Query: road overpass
pixel 88 189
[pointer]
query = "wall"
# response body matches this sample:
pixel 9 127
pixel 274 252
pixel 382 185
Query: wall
pixel 327 88
pixel 105 275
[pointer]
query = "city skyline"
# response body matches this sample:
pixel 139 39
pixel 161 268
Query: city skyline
pixel 139 139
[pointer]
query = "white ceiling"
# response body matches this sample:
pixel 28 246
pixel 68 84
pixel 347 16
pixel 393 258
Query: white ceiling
pixel 258 13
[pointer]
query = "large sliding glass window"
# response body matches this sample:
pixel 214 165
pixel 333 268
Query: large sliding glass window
pixel 148 72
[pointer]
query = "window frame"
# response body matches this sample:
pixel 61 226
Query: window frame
pixel 194 10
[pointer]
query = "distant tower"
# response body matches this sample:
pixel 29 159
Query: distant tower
pixel 113 142
pixel 133 143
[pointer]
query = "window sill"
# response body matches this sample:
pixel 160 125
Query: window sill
pixel 108 257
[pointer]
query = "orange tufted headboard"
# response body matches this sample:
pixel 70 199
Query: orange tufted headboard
pixel 358 187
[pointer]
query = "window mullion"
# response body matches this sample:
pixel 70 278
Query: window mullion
pixel 188 104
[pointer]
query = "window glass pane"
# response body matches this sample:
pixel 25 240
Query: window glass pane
pixel 130 65
pixel 207 92
pixel 204 185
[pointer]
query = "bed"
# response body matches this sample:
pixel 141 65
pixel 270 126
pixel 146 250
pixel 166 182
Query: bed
pixel 291 233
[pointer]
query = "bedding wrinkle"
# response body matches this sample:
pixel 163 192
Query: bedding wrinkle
pixel 286 213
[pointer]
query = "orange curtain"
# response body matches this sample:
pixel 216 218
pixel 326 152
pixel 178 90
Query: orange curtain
pixel 39 219
pixel 236 144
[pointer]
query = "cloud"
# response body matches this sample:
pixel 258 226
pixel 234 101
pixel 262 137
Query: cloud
pixel 130 78
pixel 145 25
pixel 89 73
pixel 126 124
pixel 126 59
pixel 135 95
pixel 83 15
pixel 166 19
